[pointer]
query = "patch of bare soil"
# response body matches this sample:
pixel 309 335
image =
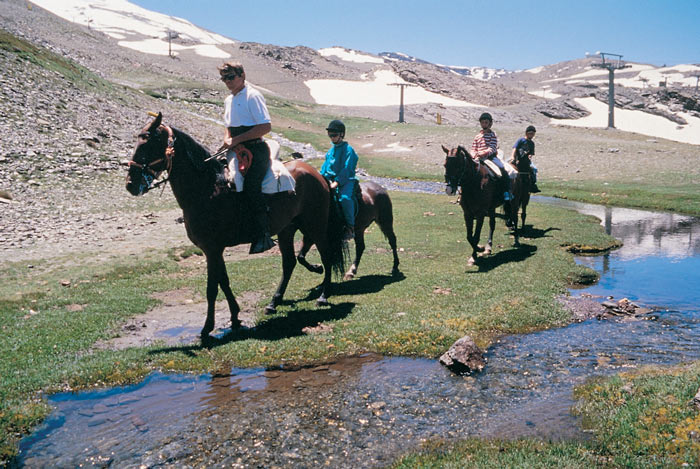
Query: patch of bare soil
pixel 582 307
pixel 179 319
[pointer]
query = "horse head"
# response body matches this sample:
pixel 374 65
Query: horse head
pixel 150 157
pixel 522 161
pixel 457 161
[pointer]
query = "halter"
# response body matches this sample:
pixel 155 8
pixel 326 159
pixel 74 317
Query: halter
pixel 148 173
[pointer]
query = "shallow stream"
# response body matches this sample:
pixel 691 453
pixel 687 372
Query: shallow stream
pixel 365 411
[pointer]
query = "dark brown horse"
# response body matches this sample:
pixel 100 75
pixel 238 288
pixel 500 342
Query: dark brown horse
pixel 480 195
pixel 521 194
pixel 214 223
pixel 374 205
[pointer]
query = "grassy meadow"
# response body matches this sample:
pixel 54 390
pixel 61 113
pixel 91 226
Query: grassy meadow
pixel 47 343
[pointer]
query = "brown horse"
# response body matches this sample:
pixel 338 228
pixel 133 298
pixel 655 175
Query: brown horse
pixel 480 195
pixel 521 194
pixel 214 223
pixel 374 205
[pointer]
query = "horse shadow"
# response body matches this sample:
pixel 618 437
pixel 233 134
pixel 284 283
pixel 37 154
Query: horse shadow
pixel 278 328
pixel 367 284
pixel 529 231
pixel 492 261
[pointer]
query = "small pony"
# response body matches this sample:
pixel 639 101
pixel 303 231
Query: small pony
pixel 480 197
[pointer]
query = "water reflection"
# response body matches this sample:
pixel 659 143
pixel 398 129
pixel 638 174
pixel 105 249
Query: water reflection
pixel 659 261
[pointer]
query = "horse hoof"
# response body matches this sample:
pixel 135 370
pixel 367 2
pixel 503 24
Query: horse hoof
pixel 322 301
pixel 479 248
pixel 395 272
pixel 235 324
pixel 348 276
pixel 471 262
pixel 487 251
pixel 270 309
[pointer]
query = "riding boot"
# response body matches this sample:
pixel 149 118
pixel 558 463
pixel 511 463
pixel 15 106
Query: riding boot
pixel 264 241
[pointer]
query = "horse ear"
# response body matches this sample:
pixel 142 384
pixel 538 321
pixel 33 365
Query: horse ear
pixel 445 149
pixel 156 123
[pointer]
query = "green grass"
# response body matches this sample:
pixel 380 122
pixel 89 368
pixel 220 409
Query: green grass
pixel 47 346
pixel 643 418
pixel 475 453
pixel 681 198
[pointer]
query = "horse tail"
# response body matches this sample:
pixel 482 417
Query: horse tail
pixel 338 250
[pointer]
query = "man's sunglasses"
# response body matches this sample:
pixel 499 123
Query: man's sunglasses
pixel 229 77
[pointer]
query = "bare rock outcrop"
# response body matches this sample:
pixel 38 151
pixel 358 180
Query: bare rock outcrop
pixel 464 357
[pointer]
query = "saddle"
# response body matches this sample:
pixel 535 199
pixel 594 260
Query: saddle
pixel 277 179
pixel 495 172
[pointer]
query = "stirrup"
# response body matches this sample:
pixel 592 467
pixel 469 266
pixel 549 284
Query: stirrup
pixel 534 189
pixel 262 244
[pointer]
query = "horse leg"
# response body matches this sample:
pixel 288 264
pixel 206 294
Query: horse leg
pixel 230 298
pixel 215 268
pixel 301 257
pixel 388 230
pixel 473 235
pixel 285 239
pixel 359 249
pixel 492 228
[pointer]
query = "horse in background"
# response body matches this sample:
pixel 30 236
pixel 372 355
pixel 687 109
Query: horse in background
pixel 213 223
pixel 480 196
pixel 521 194
pixel 374 205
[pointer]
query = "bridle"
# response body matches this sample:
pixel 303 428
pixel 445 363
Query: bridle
pixel 457 179
pixel 148 170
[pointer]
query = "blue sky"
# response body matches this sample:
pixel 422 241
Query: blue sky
pixel 500 33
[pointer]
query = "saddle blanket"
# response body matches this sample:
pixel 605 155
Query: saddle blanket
pixel 277 179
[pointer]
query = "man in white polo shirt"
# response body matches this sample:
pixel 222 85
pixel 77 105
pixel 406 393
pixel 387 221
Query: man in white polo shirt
pixel 247 120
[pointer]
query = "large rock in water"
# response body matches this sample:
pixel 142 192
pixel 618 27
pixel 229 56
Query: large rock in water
pixel 464 357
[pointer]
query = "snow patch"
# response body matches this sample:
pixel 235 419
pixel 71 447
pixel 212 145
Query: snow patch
pixel 377 92
pixel 123 20
pixel 349 55
pixel 636 121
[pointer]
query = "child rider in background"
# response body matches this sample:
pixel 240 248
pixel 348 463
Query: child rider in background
pixel 339 169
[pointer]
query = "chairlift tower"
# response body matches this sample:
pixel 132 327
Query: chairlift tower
pixel 612 62
pixel 402 85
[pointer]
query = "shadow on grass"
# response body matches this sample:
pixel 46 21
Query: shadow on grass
pixel 366 284
pixel 518 254
pixel 277 328
pixel 528 231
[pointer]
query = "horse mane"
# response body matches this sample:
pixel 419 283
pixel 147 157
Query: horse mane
pixel 195 151
pixel 463 151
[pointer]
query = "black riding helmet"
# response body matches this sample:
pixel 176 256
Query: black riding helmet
pixel 485 116
pixel 336 126
pixel 530 128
